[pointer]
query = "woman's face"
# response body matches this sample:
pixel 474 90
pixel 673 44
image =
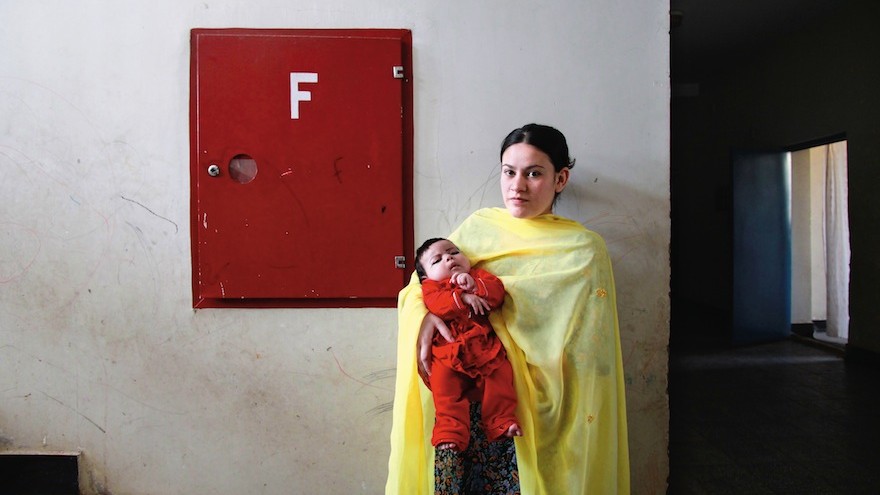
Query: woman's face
pixel 529 183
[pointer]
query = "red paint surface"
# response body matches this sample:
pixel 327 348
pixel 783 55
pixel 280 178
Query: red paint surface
pixel 330 205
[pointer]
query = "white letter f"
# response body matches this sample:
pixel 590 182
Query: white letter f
pixel 296 95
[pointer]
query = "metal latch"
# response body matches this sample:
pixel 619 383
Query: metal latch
pixel 398 71
pixel 400 261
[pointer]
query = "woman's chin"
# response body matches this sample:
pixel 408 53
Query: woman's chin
pixel 517 210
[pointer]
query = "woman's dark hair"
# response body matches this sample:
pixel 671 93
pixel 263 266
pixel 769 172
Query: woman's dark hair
pixel 545 138
pixel 420 270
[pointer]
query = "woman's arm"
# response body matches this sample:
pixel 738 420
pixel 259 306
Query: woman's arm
pixel 430 324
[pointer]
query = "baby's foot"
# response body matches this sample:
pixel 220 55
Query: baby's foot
pixel 513 431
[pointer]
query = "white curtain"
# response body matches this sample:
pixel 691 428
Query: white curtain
pixel 837 240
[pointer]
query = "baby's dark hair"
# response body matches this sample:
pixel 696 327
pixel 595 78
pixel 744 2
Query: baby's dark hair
pixel 420 270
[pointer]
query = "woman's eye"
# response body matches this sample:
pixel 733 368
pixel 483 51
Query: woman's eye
pixel 534 174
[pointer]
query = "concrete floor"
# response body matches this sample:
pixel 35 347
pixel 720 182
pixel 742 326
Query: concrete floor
pixel 777 418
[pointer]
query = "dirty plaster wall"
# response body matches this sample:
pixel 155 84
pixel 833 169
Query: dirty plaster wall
pixel 99 347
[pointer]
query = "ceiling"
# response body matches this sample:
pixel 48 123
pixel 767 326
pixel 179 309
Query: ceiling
pixel 708 34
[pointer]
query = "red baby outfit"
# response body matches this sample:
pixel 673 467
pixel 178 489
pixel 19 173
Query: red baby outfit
pixel 472 368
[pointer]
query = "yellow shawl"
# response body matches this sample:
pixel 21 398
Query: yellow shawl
pixel 559 326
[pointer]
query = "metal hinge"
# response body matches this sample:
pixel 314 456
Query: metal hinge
pixel 400 261
pixel 397 70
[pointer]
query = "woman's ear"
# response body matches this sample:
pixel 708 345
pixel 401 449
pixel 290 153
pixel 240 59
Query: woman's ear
pixel 561 179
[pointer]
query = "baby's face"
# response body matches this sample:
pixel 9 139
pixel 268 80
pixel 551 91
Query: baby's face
pixel 443 259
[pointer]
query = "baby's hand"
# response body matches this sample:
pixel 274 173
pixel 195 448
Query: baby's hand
pixel 477 304
pixel 464 282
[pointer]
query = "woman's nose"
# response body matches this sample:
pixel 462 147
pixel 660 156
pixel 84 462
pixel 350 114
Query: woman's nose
pixel 517 183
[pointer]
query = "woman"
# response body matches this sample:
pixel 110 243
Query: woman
pixel 559 327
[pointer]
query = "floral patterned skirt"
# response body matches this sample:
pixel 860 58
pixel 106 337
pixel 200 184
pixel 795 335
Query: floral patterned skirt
pixel 484 468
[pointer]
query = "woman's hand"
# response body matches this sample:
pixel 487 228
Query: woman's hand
pixel 430 324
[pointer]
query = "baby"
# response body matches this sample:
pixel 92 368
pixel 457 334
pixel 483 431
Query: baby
pixel 473 368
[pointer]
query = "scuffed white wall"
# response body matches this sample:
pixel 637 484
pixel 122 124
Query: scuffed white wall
pixel 99 347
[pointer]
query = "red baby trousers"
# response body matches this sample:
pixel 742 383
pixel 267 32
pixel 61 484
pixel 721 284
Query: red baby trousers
pixel 460 375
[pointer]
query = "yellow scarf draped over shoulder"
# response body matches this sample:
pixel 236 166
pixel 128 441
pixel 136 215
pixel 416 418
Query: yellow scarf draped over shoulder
pixel 559 326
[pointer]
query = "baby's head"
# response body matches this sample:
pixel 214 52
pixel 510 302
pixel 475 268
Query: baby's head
pixel 438 259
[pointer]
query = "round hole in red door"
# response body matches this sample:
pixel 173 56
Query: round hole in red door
pixel 242 169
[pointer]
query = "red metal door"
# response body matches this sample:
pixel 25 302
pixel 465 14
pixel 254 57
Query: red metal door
pixel 299 166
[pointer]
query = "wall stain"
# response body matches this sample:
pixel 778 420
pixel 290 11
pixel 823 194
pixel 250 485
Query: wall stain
pixel 176 228
pixel 76 411
pixel 351 377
